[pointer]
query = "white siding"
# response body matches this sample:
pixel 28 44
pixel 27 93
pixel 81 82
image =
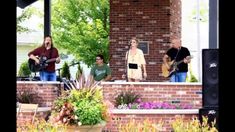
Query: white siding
pixel 22 56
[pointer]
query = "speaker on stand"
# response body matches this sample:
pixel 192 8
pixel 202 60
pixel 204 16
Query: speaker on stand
pixel 210 83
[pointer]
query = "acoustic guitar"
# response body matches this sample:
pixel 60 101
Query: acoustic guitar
pixel 169 71
pixel 43 63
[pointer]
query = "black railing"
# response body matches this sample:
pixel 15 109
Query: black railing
pixel 37 78
pixel 62 67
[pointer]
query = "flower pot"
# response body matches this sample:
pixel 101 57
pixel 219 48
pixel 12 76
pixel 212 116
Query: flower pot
pixel 86 128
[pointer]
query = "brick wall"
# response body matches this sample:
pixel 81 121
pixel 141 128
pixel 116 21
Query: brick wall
pixel 184 93
pixel 26 117
pixel 44 93
pixel 150 91
pixel 125 118
pixel 153 21
pixel 189 93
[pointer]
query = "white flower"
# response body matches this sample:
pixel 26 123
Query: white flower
pixel 79 123
pixel 64 120
pixel 75 108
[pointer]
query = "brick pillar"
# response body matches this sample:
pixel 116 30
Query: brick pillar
pixel 152 21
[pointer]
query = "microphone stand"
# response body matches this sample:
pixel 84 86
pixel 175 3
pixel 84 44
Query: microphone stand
pixel 126 62
pixel 68 66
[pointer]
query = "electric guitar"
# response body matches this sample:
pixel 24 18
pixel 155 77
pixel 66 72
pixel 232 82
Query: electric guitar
pixel 43 63
pixel 169 71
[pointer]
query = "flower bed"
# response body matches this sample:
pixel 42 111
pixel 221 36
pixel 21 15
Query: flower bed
pixel 154 105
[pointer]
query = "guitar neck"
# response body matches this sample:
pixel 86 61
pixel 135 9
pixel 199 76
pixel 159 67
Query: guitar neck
pixel 51 60
pixel 177 63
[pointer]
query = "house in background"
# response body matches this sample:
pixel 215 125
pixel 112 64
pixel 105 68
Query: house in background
pixel 28 41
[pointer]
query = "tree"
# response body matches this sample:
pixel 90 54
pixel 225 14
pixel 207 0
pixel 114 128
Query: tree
pixel 26 14
pixel 81 27
pixel 65 71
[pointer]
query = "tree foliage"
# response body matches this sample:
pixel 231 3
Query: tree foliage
pixel 81 27
pixel 26 14
pixel 203 13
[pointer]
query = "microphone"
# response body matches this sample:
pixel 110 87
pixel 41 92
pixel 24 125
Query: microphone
pixel 129 44
pixel 46 44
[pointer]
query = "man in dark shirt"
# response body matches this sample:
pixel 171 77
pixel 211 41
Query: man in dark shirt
pixel 179 57
pixel 49 53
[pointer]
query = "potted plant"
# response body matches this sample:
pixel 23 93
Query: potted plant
pixel 81 107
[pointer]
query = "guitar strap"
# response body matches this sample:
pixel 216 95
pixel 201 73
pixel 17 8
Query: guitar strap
pixel 176 57
pixel 50 52
pixel 177 54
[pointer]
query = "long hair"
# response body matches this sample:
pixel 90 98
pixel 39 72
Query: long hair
pixel 43 44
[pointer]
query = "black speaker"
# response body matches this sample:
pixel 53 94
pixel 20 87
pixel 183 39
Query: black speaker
pixel 210 78
pixel 212 114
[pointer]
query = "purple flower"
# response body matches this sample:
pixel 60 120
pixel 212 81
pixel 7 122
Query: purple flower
pixel 165 105
pixel 186 106
pixel 156 105
pixel 138 100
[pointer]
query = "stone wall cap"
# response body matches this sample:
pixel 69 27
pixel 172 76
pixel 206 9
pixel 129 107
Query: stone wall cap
pixel 39 82
pixel 155 111
pixel 151 83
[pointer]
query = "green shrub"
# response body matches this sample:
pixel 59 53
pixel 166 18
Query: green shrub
pixel 79 71
pixel 65 72
pixel 24 70
pixel 191 77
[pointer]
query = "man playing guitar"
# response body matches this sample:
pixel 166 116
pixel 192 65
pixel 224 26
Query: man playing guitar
pixel 46 51
pixel 176 54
